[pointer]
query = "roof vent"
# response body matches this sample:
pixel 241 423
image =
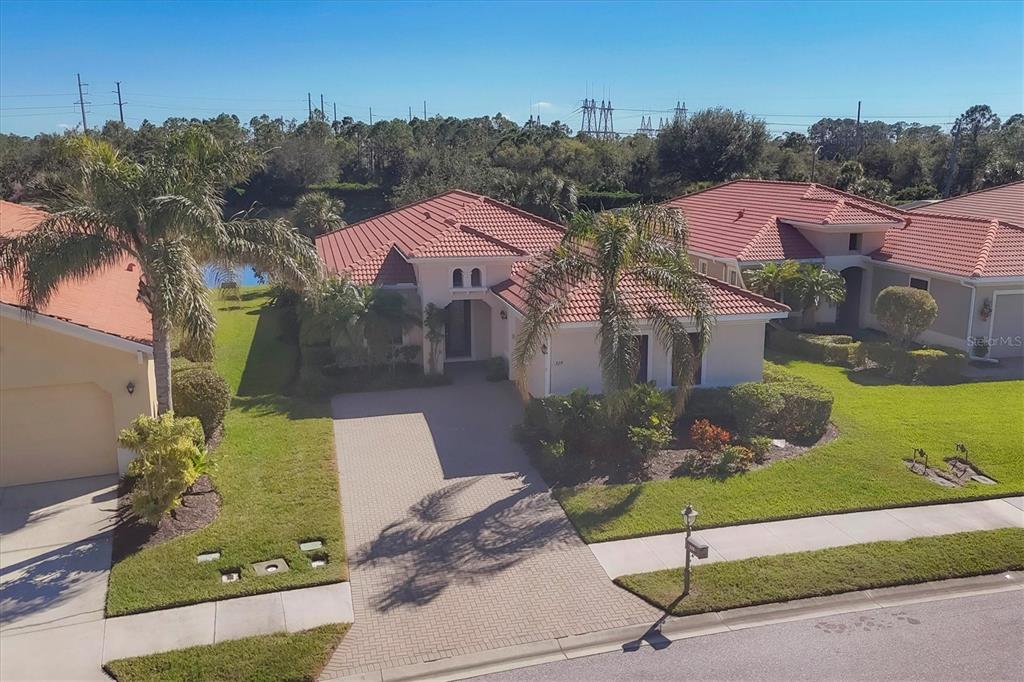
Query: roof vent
pixel 906 222
pixel 426 214
pixel 739 213
pixel 131 267
pixel 449 221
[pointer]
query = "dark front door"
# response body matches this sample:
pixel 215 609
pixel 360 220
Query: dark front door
pixel 642 342
pixel 457 337
pixel 848 314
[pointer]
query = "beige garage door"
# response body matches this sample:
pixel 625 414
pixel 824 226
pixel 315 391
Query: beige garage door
pixel 1008 326
pixel 53 432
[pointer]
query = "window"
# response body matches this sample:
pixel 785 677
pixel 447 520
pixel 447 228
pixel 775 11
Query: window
pixel 855 241
pixel 703 267
pixel 697 361
pixel 733 279
pixel 457 278
pixel 643 348
pixel 474 278
pixel 919 283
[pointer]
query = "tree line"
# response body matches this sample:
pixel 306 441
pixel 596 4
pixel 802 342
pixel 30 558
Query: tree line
pixel 545 169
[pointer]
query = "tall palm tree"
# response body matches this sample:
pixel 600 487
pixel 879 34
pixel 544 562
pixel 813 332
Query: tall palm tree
pixel 614 253
pixel 814 285
pixel 167 214
pixel 773 280
pixel 316 213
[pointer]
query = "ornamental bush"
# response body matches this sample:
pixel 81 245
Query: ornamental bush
pixel 806 409
pixel 202 393
pixel 760 446
pixel 171 456
pixel 905 312
pixel 707 437
pixel 832 349
pixel 757 407
pixel 922 365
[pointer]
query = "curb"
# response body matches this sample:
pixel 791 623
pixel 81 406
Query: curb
pixel 672 628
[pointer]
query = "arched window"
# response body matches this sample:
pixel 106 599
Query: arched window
pixel 474 278
pixel 457 278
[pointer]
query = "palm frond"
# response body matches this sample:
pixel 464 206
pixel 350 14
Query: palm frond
pixel 271 246
pixel 179 293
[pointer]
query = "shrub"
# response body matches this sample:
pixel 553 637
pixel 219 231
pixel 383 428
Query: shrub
pixel 645 419
pixel 833 349
pixel 202 393
pixel 170 458
pixel 806 410
pixel 922 365
pixel 712 404
pixel 905 312
pixel 760 446
pixel 734 459
pixel 497 368
pixel 707 437
pixel 757 407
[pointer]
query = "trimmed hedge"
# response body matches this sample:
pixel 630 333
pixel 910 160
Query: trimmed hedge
pixel 920 365
pixel 832 349
pixel 200 392
pixel 757 407
pixel 806 410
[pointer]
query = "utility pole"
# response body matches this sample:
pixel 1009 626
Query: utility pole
pixel 371 115
pixel 323 111
pixel 954 150
pixel 81 102
pixel 335 111
pixel 410 113
pixel 120 104
pixel 309 101
pixel 424 110
pixel 860 135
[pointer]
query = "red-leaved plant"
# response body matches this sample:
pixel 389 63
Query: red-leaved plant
pixel 707 437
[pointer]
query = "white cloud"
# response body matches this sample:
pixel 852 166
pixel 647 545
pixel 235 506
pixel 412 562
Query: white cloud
pixel 543 105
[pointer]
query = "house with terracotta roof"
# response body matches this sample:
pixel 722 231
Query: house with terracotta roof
pixel 468 254
pixel 72 374
pixel 968 252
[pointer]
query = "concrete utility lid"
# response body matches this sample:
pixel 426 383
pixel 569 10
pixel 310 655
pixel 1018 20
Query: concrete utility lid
pixel 310 545
pixel 230 576
pixel 207 556
pixel 270 566
pixel 318 561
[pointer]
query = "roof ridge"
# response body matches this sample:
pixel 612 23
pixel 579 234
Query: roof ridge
pixel 492 238
pixel 400 209
pixel 863 203
pixel 745 292
pixel 772 221
pixel 550 223
pixel 977 191
pixel 986 249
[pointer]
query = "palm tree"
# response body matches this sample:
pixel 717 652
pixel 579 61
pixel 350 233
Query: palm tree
pixel 316 213
pixel 814 285
pixel 166 213
pixel 614 252
pixel 772 279
pixel 544 194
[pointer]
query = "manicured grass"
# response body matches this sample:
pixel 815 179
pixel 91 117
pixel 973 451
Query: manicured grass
pixel 783 577
pixel 269 658
pixel 275 471
pixel 862 469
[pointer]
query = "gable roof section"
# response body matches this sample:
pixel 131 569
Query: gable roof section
pixel 455 224
pixel 748 219
pixel 583 300
pixel 106 302
pixel 957 245
pixel 1005 203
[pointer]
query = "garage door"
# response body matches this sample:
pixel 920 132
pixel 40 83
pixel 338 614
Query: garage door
pixel 1008 326
pixel 53 432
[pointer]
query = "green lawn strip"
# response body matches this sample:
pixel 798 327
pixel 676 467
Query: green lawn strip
pixel 276 474
pixel 862 469
pixel 269 658
pixel 783 577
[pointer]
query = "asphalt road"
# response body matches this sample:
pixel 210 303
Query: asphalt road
pixel 971 638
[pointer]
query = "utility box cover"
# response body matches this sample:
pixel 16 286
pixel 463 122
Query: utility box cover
pixel 697 547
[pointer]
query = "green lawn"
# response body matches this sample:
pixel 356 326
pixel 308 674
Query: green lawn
pixel 862 469
pixel 268 658
pixel 275 471
pixel 783 577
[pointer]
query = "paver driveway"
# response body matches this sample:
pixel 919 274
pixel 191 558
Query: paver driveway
pixel 455 544
pixel 54 560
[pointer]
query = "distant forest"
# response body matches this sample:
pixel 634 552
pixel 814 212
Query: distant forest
pixel 545 169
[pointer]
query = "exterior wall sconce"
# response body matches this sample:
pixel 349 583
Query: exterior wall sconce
pixel 130 387
pixel 503 315
pixel 544 349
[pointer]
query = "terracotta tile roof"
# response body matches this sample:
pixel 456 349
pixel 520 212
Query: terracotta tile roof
pixel 747 219
pixel 583 300
pixel 106 302
pixel 958 245
pixel 1005 203
pixel 450 225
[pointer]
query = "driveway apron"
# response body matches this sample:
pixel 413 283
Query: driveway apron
pixel 455 544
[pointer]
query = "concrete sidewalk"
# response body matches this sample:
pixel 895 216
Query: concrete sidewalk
pixel 218 621
pixel 658 552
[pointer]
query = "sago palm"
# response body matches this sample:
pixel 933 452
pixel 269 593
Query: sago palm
pixel 166 213
pixel 619 255
pixel 316 213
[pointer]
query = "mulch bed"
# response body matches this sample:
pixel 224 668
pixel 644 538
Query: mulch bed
pixel 199 506
pixel 667 463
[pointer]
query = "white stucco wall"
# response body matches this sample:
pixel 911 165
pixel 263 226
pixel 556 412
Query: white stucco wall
pixel 736 353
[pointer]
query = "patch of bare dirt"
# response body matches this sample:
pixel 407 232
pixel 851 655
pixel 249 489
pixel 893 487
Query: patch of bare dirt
pixel 199 506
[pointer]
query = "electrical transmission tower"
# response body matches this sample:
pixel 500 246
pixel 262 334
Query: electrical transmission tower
pixel 647 127
pixel 589 123
pixel 605 122
pixel 680 112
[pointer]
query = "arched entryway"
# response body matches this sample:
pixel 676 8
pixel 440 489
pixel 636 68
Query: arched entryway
pixel 848 313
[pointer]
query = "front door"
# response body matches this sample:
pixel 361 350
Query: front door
pixel 848 313
pixel 457 336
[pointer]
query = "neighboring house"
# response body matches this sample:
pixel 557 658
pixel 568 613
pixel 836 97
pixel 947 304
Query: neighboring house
pixel 970 264
pixel 72 374
pixel 467 253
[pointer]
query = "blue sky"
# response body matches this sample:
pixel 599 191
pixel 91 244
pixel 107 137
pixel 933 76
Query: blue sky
pixel 789 63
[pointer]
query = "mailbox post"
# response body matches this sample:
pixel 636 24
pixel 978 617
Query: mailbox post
pixel 689 516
